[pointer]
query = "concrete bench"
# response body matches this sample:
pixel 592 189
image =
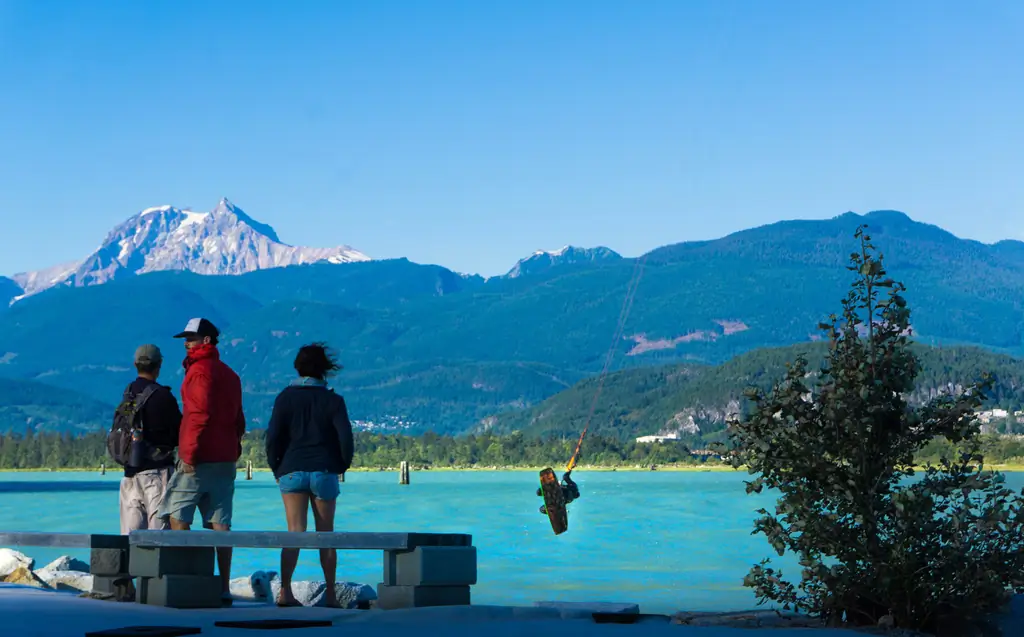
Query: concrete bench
pixel 176 568
pixel 108 555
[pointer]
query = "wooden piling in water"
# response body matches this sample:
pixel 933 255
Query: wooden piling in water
pixel 248 469
pixel 103 469
pixel 403 473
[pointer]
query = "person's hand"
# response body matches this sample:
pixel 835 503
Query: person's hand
pixel 187 468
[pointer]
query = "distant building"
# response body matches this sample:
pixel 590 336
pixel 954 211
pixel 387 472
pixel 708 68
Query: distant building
pixel 649 439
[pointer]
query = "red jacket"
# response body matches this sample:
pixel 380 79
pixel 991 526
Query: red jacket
pixel 212 422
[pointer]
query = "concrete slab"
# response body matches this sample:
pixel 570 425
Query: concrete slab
pixel 299 540
pixel 167 560
pixel 394 597
pixel 434 566
pixel 180 591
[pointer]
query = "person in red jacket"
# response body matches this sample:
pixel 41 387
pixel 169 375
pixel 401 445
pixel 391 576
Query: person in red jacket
pixel 209 442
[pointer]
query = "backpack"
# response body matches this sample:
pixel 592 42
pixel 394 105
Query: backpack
pixel 126 416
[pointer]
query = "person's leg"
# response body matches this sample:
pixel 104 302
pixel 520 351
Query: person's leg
pixel 180 500
pixel 219 483
pixel 325 489
pixel 153 484
pixel 130 505
pixel 295 495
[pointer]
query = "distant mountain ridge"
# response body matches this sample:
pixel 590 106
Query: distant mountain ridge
pixel 444 350
pixel 222 241
pixel 543 260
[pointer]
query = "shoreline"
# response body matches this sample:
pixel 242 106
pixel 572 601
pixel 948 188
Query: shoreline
pixel 682 468
pixel 579 468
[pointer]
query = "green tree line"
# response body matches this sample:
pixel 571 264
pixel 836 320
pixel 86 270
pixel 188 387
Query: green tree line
pixel 34 450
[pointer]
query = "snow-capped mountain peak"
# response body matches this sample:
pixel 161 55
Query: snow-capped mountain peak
pixel 542 260
pixel 224 240
pixel 552 253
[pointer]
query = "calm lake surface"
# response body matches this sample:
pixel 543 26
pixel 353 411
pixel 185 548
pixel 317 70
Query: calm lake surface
pixel 666 540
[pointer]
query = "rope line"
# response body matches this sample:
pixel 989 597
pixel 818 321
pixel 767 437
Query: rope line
pixel 627 306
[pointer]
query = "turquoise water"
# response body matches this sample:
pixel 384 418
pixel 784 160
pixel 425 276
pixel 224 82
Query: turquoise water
pixel 665 540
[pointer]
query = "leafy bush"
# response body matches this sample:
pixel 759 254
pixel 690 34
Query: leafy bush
pixel 876 543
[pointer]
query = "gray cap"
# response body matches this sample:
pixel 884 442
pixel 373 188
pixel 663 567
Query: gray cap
pixel 147 354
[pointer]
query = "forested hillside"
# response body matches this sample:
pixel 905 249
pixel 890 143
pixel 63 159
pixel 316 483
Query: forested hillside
pixel 695 399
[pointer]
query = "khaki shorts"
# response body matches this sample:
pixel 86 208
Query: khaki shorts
pixel 141 498
pixel 211 488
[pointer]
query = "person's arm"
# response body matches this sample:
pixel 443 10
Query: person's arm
pixel 344 429
pixel 163 418
pixel 277 436
pixel 197 393
pixel 175 415
pixel 240 423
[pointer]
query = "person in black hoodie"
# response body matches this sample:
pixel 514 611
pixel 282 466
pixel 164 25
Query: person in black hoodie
pixel 309 447
pixel 143 487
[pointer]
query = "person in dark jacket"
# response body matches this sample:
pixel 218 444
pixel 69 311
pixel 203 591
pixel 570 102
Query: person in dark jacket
pixel 142 488
pixel 309 446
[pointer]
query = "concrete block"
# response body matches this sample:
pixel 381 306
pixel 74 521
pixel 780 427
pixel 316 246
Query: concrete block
pixel 108 561
pixel 108 541
pixel 120 586
pixel 108 583
pixel 432 566
pixel 156 562
pixel 181 591
pixel 392 597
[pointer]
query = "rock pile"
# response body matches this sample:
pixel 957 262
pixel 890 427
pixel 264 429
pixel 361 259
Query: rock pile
pixel 265 586
pixel 63 574
pixel 69 574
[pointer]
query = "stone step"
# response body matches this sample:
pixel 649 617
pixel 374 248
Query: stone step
pixel 392 597
pixel 432 566
pixel 180 591
pixel 156 562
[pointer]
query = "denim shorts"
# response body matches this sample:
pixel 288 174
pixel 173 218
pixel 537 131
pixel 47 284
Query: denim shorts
pixel 323 485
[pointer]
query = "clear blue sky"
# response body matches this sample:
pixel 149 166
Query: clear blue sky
pixel 472 133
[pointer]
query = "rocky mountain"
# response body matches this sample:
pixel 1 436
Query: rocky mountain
pixel 443 351
pixel 222 241
pixel 543 260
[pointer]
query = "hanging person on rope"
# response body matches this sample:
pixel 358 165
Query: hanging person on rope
pixel 557 496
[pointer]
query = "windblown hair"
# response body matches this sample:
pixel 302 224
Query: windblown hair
pixel 315 361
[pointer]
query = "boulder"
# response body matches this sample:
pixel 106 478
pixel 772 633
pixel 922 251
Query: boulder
pixel 24 577
pixel 349 594
pixel 353 595
pixel 307 593
pixel 65 580
pixel 11 560
pixel 66 563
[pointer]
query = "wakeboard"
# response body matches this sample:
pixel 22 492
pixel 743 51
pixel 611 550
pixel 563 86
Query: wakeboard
pixel 554 501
